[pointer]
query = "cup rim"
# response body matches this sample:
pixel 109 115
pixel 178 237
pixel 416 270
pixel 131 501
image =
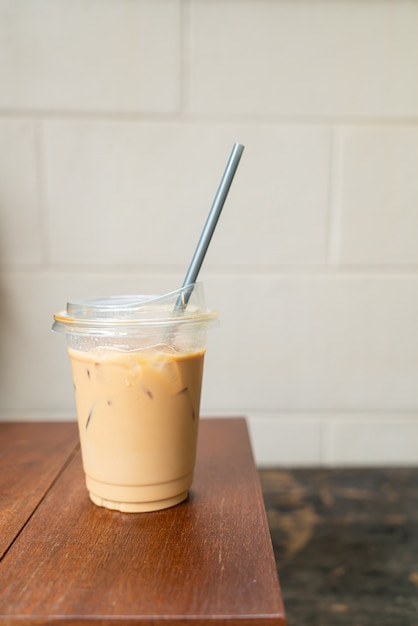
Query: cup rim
pixel 135 313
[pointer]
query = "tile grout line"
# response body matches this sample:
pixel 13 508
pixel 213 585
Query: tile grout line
pixel 148 116
pixel 184 78
pixel 279 272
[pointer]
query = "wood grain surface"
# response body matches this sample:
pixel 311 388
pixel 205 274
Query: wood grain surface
pixel 208 559
pixel 31 457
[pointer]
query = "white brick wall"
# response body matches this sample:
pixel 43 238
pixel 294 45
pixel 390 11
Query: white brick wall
pixel 116 121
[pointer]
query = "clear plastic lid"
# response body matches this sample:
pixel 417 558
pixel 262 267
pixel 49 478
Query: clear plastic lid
pixel 128 314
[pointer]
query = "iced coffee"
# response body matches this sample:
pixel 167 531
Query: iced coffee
pixel 137 378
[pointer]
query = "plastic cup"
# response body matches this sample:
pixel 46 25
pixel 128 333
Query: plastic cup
pixel 137 365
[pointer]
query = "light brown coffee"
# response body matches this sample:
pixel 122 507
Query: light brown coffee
pixel 138 418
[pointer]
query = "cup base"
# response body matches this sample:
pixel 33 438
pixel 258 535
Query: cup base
pixel 138 507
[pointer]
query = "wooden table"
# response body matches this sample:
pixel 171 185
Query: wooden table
pixel 65 561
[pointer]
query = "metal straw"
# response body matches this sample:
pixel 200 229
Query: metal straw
pixel 209 227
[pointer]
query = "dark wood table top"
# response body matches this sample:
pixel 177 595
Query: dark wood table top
pixel 65 561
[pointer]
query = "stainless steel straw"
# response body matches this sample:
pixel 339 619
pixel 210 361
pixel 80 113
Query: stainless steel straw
pixel 209 227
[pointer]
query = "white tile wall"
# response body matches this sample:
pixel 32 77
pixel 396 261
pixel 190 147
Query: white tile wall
pixel 144 181
pixel 380 190
pixel 116 121
pixel 314 342
pixel 90 56
pixel 21 219
pixel 371 440
pixel 303 58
